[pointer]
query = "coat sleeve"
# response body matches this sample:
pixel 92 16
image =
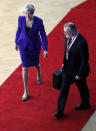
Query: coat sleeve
pixel 84 56
pixel 43 36
pixel 18 31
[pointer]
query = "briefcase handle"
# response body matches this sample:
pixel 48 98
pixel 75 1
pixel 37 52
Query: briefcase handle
pixel 60 69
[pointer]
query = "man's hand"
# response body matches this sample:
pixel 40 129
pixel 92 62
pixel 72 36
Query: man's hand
pixel 16 47
pixel 45 54
pixel 62 65
pixel 77 77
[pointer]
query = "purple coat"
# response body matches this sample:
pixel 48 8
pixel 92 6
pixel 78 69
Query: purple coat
pixel 34 38
pixel 31 41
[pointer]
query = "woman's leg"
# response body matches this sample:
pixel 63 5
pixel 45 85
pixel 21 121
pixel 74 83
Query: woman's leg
pixel 38 74
pixel 25 81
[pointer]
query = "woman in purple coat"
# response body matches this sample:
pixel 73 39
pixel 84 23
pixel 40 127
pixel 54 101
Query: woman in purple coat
pixel 29 37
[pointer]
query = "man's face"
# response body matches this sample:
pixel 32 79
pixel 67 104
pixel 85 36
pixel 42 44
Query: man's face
pixel 67 32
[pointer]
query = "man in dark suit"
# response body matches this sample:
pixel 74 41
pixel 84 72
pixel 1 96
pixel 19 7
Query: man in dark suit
pixel 75 68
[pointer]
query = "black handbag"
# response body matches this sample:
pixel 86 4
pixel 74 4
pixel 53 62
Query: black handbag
pixel 57 79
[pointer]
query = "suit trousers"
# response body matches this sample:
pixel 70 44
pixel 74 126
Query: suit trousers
pixel 66 82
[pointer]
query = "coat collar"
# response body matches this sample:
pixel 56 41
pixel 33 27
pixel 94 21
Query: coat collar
pixel 32 29
pixel 75 42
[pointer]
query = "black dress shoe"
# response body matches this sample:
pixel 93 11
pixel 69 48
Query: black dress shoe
pixel 82 107
pixel 58 115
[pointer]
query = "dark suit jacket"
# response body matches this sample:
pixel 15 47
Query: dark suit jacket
pixel 78 58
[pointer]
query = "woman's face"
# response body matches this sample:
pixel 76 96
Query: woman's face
pixel 29 15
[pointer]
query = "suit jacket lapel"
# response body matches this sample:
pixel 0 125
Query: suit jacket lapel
pixel 72 47
pixel 24 25
pixel 33 28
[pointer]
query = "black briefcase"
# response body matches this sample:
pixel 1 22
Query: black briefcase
pixel 57 79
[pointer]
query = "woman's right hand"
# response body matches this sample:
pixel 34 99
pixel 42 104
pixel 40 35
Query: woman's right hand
pixel 45 54
pixel 16 47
